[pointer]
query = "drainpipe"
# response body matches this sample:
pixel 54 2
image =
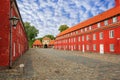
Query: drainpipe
pixel 10 52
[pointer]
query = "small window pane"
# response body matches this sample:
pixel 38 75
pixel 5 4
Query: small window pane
pixel 112 47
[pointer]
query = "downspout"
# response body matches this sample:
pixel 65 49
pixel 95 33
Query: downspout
pixel 10 45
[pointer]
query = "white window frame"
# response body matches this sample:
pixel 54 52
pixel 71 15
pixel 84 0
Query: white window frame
pixel 101 35
pixel 94 47
pixel 87 47
pixel 79 39
pixel 106 22
pixel 112 47
pixel 85 29
pixel 98 25
pixel 111 34
pixel 94 36
pixel 82 38
pixel 90 27
pixel 114 19
pixel 87 37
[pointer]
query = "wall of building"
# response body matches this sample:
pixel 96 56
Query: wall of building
pixel 19 38
pixel 82 39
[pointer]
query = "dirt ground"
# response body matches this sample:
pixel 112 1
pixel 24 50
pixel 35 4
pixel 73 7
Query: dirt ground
pixel 50 64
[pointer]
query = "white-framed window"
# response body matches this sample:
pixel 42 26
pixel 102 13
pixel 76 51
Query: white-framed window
pixel 106 22
pixel 112 47
pixel 74 39
pixel 76 32
pixel 111 34
pixel 101 35
pixel 82 38
pixel 69 40
pixel 94 36
pixel 81 30
pixel 90 27
pixel 79 38
pixel 98 25
pixel 14 51
pixel 87 37
pixel 85 29
pixel 87 47
pixel 114 19
pixel 94 46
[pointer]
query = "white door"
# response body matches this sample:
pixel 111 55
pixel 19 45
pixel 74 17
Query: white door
pixel 83 48
pixel 101 49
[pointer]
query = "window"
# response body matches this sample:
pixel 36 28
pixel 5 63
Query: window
pixel 79 38
pixel 111 47
pixel 90 27
pixel 101 35
pixel 82 38
pixel 106 22
pixel 85 29
pixel 98 25
pixel 74 39
pixel 94 46
pixel 76 32
pixel 81 30
pixel 94 36
pixel 111 34
pixel 87 37
pixel 114 19
pixel 87 47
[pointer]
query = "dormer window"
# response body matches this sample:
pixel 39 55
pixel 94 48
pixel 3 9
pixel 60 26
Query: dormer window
pixel 90 27
pixel 114 19
pixel 98 25
pixel 85 29
pixel 106 22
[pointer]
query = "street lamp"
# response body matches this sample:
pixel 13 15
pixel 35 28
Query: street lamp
pixel 14 21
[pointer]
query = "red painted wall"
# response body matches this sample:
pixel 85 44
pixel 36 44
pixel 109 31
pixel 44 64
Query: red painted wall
pixel 19 38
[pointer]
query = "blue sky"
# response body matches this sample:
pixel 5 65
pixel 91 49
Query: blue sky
pixel 48 15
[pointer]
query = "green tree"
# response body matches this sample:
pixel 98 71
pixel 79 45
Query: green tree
pixel 31 32
pixel 50 36
pixel 63 27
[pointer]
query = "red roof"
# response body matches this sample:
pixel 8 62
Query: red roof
pixel 37 42
pixel 107 14
pixel 52 42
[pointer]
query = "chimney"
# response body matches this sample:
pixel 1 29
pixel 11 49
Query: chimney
pixel 117 3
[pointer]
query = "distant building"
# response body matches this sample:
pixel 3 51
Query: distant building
pixel 99 34
pixel 13 39
pixel 37 44
pixel 45 42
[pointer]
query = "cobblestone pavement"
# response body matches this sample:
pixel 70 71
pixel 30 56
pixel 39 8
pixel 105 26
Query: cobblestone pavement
pixel 50 64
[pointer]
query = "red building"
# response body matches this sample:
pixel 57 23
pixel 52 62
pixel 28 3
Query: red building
pixel 98 34
pixel 13 40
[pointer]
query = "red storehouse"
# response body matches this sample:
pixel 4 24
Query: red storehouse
pixel 13 39
pixel 100 34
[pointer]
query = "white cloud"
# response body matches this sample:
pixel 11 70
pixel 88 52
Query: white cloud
pixel 48 15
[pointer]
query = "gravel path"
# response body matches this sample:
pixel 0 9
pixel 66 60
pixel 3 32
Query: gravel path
pixel 50 64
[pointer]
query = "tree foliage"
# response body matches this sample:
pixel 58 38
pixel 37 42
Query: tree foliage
pixel 63 27
pixel 31 32
pixel 50 36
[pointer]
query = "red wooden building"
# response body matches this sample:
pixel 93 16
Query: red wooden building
pixel 100 34
pixel 13 40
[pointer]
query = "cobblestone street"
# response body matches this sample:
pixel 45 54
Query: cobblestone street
pixel 50 64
